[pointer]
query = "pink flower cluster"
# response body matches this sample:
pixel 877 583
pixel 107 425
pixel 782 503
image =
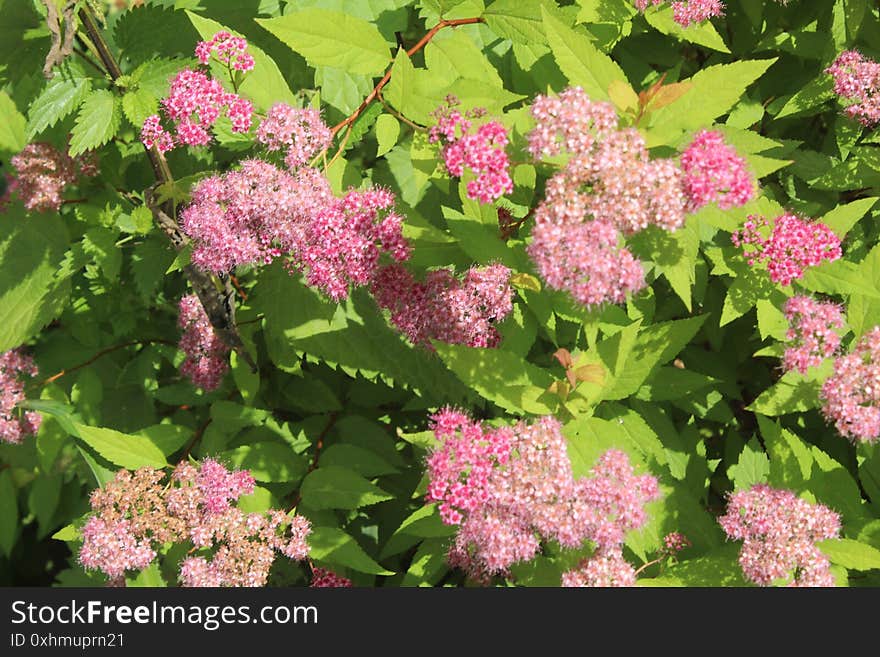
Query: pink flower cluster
pixel 509 488
pixel 851 395
pixel 260 212
pixel 482 151
pixel 194 104
pixel 228 49
pixel 327 579
pixel 206 354
pixel 609 188
pixel 779 532
pixel 444 307
pixel 857 83
pixel 16 369
pixel 812 336
pixel 301 132
pixel 713 172
pixel 794 245
pixel 42 173
pixel 138 512
pixel 688 12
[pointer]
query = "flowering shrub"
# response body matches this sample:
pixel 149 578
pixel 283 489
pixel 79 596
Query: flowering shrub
pixel 464 294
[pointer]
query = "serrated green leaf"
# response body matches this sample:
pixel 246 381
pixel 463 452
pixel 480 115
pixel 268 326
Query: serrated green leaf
pixel 703 34
pixel 752 468
pixel 138 105
pixel 842 218
pixel 387 131
pixel 357 459
pixel 334 487
pixel 332 38
pixel 519 21
pixel 61 96
pixel 333 546
pixel 129 451
pixel 850 554
pixel 579 60
pixel 96 123
pixel 12 125
pixel 268 461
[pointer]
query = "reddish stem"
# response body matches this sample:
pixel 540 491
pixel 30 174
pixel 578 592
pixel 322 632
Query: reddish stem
pixel 101 353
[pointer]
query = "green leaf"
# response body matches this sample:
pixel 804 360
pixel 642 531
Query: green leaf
pixel 850 554
pixel 499 376
pixel 703 34
pixel 838 277
pixel 357 459
pixel 167 437
pixel 842 218
pixel 752 467
pixel 43 499
pixel 129 451
pixel 334 487
pixel 750 287
pixel 792 393
pixel 138 105
pixel 67 533
pixel 655 345
pixel 61 96
pixel 12 125
pixel 579 60
pixel 246 380
pixel 268 461
pixel 713 92
pixel 8 512
pixel 149 577
pixel 387 131
pixel 31 252
pixel 521 22
pixel 332 38
pixel 334 547
pixel 264 85
pixel 717 568
pixel 810 97
pixel 96 123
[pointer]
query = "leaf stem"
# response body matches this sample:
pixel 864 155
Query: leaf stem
pixel 104 352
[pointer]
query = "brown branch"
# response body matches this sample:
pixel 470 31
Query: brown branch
pixel 197 436
pixel 385 78
pixel 103 352
pixel 215 294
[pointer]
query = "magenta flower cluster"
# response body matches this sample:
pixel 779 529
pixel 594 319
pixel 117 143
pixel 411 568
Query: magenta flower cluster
pixel 196 101
pixel 512 487
pixel 851 395
pixel 301 132
pixel 137 513
pixel 228 49
pixel 455 310
pixel 779 533
pixel 857 83
pixel 714 173
pixel 260 212
pixel 610 188
pixel 206 355
pixel 813 332
pixel 327 579
pixel 688 12
pixel 16 369
pixel 42 173
pixel 478 148
pixel 794 244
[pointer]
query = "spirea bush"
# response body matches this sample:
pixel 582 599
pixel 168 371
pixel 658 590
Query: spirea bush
pixel 440 293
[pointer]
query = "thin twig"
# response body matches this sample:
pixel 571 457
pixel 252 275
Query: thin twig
pixel 104 352
pixel 319 445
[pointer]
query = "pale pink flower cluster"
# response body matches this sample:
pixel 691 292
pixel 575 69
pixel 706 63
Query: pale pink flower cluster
pixel 714 173
pixel 301 132
pixel 327 579
pixel 812 334
pixel 779 533
pixel 794 245
pixel 688 12
pixel 851 395
pixel 16 369
pixel 857 83
pixel 511 487
pixel 445 307
pixel 610 188
pixel 481 150
pixel 137 513
pixel 194 103
pixel 605 569
pixel 260 212
pixel 228 49
pixel 42 173
pixel 206 354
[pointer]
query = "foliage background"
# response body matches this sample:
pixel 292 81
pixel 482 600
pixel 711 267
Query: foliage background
pixel 690 384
